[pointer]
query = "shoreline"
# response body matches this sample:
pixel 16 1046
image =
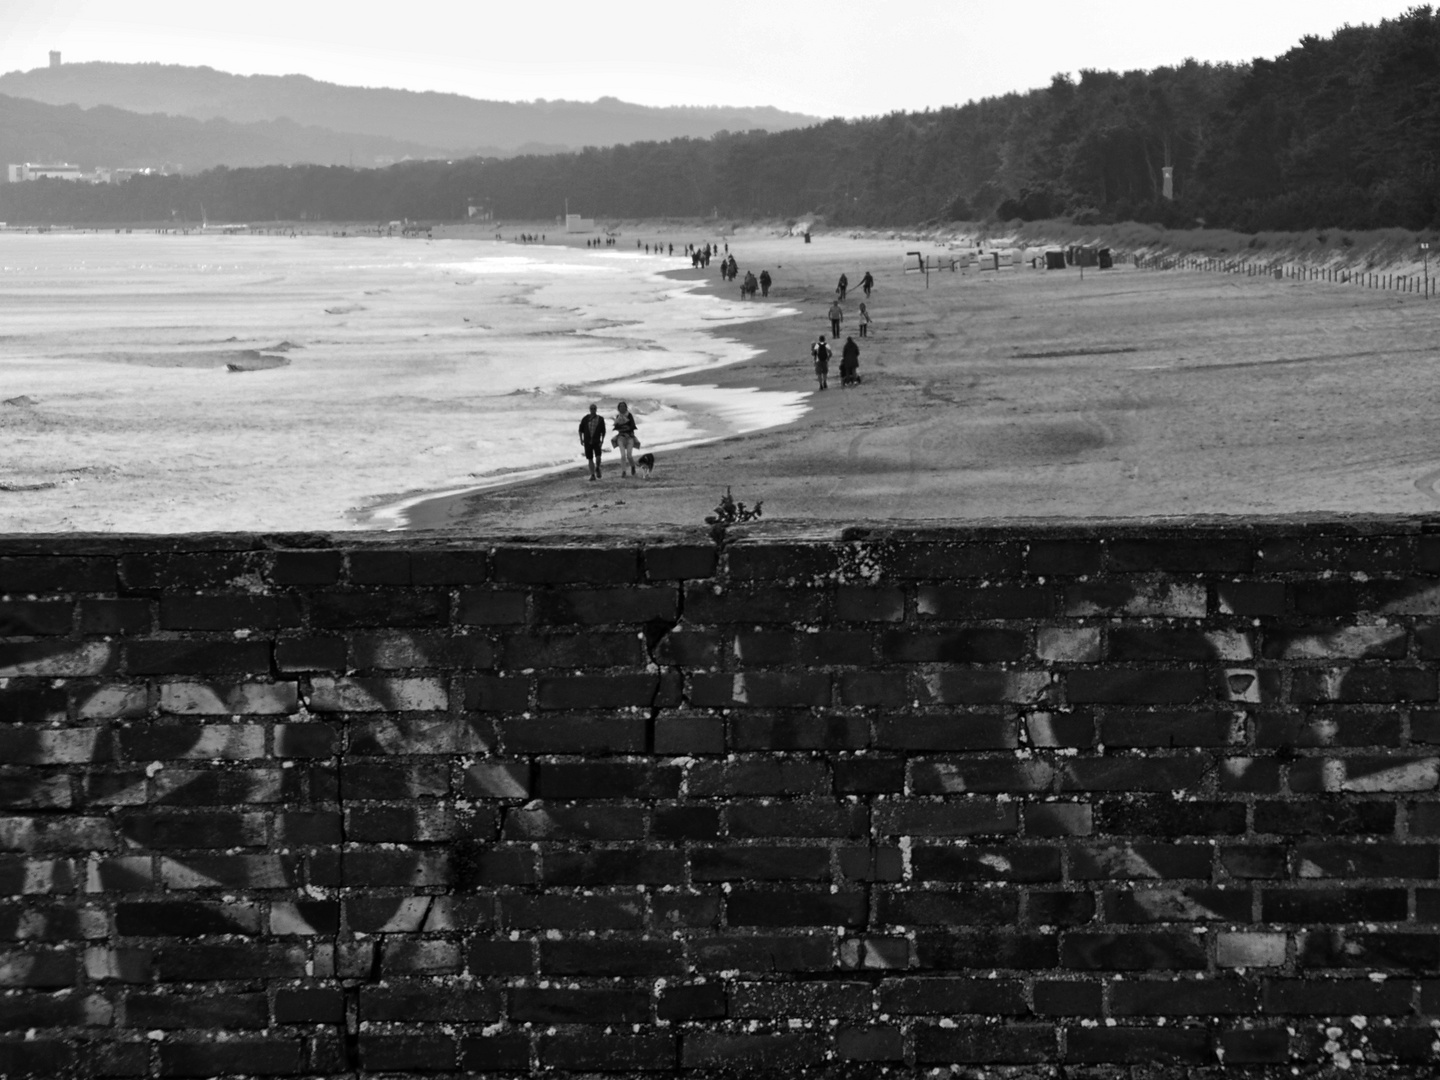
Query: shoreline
pixel 765 335
pixel 1122 394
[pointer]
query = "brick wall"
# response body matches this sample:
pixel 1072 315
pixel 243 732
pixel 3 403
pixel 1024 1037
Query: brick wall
pixel 1031 796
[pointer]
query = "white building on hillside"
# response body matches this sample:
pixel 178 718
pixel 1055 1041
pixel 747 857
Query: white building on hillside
pixel 18 174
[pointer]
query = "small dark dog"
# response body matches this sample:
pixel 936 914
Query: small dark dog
pixel 646 463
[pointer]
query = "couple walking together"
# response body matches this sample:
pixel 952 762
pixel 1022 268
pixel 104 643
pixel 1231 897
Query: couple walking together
pixel 849 362
pixel 592 438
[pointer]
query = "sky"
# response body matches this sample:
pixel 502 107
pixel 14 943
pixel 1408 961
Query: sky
pixel 822 57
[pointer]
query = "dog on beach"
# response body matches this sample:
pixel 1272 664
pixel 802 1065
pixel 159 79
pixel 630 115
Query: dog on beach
pixel 646 463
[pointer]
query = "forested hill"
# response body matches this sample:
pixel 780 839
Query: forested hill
pixel 452 122
pixel 105 136
pixel 1340 131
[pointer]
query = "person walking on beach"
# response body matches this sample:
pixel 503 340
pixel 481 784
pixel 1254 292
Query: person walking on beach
pixel 867 283
pixel 624 427
pixel 841 286
pixel 837 316
pixel 592 439
pixel 864 321
pixel 821 352
pixel 849 363
pixel 764 282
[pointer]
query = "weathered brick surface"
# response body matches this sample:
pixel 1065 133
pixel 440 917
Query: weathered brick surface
pixel 1004 799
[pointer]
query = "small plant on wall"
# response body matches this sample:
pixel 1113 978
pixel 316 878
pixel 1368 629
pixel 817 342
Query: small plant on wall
pixel 729 512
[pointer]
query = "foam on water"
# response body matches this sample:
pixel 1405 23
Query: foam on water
pixel 416 366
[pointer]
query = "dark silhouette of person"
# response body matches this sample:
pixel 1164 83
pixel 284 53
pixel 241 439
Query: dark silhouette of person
pixel 867 283
pixel 764 282
pixel 592 439
pixel 842 285
pixel 849 363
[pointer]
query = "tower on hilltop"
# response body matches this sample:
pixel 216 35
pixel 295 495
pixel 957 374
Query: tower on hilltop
pixel 54 58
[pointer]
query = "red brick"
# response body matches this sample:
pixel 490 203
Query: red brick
pixel 753 1053
pixel 798 731
pixel 650 1052
pixel 855 603
pixel 758 689
pixel 491 607
pixel 594 649
pixel 379 607
pixel 763 954
pixel 827 648
pixel 56 574
pixel 495 1053
pixel 305 567
pixel 944 560
pixel 954 731
pixel 562 565
pixel 679 561
pixel 572 734
pixel 948 996
pixel 952 817
pixel 755 907
pixel 978 645
pixel 595 958
pixel 747 606
pixel 1006 1044
pixel 772 561
pixel 1251 598
pixel 228 612
pixel 985 951
pixel 197 657
pixel 260 1056
pixel 994 602
pixel 23 618
pixel 599 606
pixel 977 863
pixel 1149 1046
pixel 1153 950
pixel 428 567
pixel 1186 555
pixel 608 691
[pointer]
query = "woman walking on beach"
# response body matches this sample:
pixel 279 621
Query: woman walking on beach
pixel 867 283
pixel 624 428
pixel 850 363
pixel 864 321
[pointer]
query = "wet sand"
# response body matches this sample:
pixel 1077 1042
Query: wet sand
pixel 1030 394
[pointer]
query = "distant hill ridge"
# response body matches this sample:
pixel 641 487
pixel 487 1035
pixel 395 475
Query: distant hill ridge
pixel 451 123
pixel 105 136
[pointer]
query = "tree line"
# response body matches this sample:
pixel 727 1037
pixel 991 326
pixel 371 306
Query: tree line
pixel 1339 131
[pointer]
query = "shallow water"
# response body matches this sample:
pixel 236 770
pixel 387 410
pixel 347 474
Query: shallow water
pixel 186 383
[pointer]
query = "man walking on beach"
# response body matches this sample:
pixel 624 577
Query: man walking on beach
pixel 764 282
pixel 867 283
pixel 837 315
pixel 592 439
pixel 821 352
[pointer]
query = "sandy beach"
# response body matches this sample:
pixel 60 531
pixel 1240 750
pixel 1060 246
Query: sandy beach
pixel 328 384
pixel 1032 394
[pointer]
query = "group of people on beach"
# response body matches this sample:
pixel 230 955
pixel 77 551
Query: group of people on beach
pixel 622 438
pixel 820 352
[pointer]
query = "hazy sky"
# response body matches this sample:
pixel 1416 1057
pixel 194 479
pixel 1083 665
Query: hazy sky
pixel 826 57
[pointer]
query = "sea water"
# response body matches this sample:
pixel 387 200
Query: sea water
pixel 169 382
